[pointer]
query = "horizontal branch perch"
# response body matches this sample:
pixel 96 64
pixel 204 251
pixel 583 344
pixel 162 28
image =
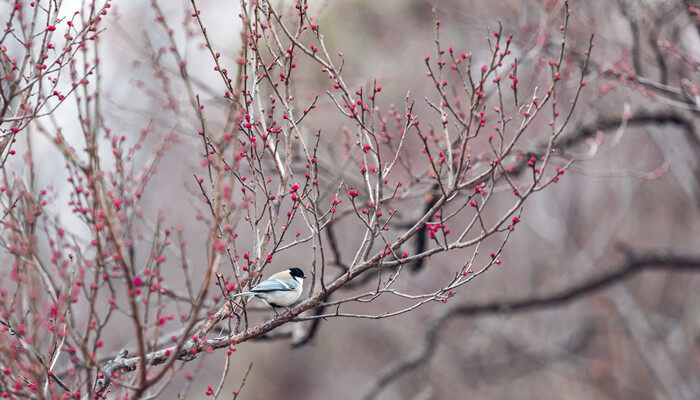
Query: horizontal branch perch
pixel 634 264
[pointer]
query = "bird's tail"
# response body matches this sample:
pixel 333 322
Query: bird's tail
pixel 244 294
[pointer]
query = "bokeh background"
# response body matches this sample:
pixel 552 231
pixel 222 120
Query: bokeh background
pixel 635 187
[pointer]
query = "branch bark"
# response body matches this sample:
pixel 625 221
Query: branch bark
pixel 634 264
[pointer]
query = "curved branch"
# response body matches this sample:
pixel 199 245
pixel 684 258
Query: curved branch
pixel 635 263
pixel 640 117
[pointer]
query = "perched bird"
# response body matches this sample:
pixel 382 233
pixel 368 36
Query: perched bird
pixel 279 290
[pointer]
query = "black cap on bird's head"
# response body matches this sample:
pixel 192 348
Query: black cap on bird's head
pixel 297 273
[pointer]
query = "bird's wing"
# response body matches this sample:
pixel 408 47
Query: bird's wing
pixel 272 285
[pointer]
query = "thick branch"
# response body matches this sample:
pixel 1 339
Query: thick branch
pixel 640 117
pixel 191 348
pixel 634 264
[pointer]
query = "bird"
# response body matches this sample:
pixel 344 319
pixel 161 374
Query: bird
pixel 279 290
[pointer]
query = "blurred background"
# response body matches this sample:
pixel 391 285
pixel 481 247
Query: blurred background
pixel 633 190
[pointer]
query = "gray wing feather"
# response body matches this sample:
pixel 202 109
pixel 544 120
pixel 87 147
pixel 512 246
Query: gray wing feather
pixel 271 285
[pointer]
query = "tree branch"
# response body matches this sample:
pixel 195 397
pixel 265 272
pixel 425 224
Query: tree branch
pixel 635 263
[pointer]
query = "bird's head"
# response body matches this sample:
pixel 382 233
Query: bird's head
pixel 297 274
